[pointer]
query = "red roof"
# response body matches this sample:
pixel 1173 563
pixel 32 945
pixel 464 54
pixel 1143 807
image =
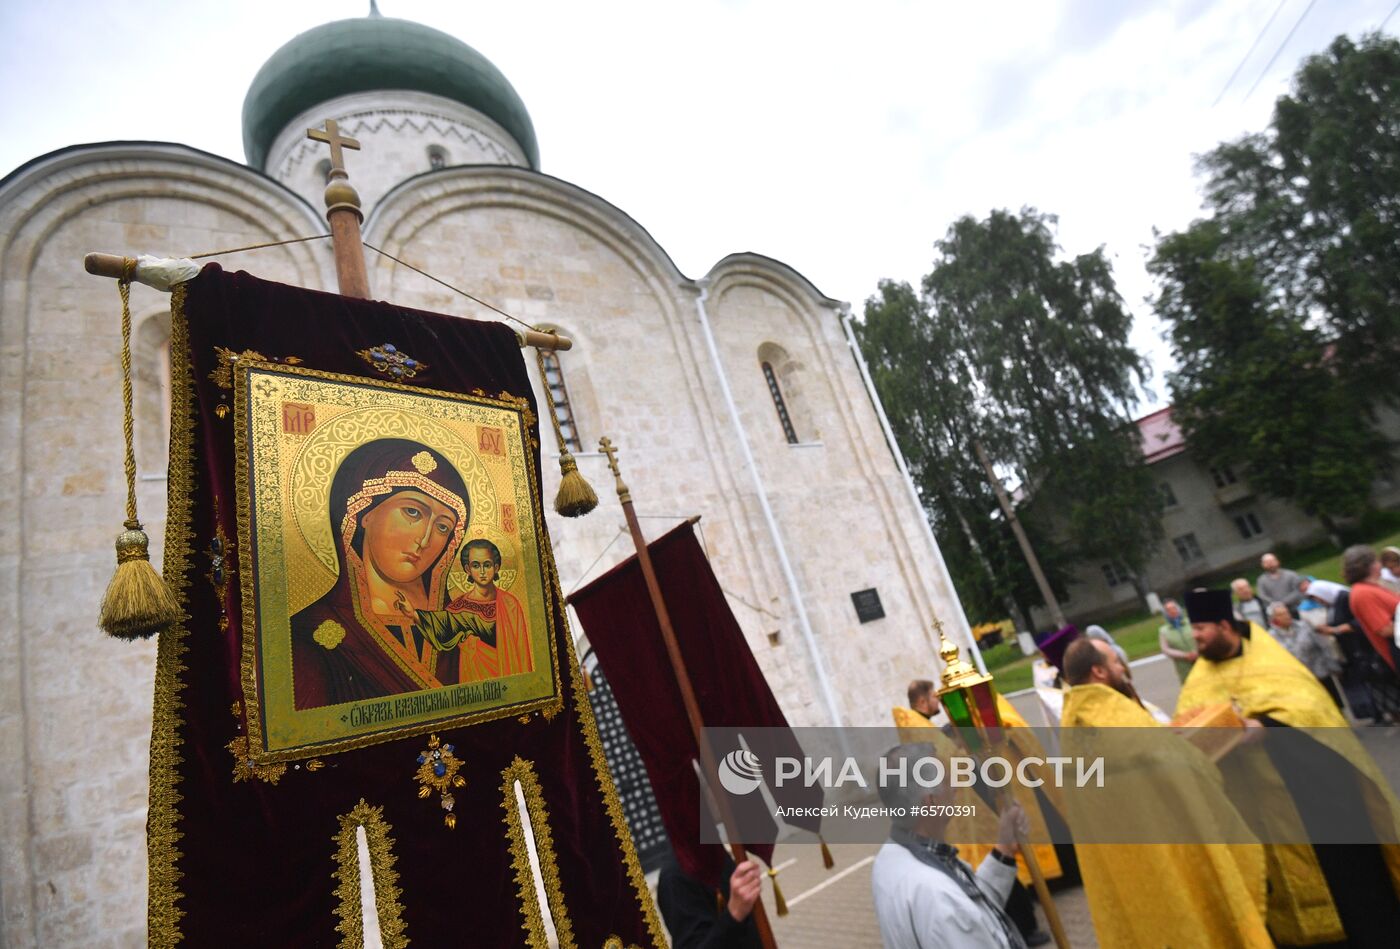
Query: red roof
pixel 1161 439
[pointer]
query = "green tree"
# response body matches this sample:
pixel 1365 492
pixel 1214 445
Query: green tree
pixel 1283 307
pixel 1026 355
pixel 1256 386
pixel 1314 203
pixel 922 403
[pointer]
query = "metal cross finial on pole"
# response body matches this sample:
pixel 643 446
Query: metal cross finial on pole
pixel 606 446
pixel 332 137
pixel 343 213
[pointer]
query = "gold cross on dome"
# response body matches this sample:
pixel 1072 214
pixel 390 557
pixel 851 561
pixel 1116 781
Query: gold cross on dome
pixel 606 446
pixel 332 137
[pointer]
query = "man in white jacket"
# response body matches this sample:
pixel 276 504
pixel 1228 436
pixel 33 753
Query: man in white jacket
pixel 925 897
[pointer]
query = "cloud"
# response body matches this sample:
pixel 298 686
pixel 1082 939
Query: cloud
pixel 1086 24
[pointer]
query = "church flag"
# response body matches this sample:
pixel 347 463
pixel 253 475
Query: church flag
pixel 373 642
pixel 734 698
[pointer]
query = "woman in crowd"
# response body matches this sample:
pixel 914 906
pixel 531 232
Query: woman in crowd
pixel 1372 609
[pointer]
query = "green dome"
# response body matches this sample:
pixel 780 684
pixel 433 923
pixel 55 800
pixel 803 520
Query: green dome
pixel 376 53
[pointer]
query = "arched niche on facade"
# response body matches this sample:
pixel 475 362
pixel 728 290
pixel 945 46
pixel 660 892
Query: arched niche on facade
pixel 150 392
pixel 784 378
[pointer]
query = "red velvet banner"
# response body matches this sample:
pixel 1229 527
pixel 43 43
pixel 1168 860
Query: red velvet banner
pixel 374 641
pixel 616 613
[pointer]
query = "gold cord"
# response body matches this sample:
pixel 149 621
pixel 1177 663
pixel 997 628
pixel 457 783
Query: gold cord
pixel 449 286
pixel 382 253
pixel 124 288
pixel 236 250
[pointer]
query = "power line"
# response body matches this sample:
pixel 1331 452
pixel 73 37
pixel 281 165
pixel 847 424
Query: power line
pixel 1388 16
pixel 1252 47
pixel 1274 58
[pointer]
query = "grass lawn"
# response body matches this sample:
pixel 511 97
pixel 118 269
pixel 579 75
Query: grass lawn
pixel 1138 634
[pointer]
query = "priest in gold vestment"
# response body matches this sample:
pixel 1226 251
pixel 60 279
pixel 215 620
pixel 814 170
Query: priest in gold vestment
pixel 1155 893
pixel 1288 790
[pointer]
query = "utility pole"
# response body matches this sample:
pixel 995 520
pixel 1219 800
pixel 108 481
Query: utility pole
pixel 1046 594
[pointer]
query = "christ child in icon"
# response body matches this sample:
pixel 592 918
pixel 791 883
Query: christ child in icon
pixel 486 623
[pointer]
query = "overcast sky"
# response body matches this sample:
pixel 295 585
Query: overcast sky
pixel 840 138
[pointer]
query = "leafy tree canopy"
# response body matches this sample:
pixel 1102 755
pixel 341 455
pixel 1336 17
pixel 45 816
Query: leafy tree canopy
pixel 1028 355
pixel 1283 308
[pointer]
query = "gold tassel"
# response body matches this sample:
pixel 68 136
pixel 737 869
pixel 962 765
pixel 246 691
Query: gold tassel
pixel 137 603
pixel 780 904
pixel 576 496
pixel 826 854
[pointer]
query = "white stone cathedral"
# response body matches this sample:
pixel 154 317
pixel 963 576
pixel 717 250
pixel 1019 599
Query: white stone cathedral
pixel 738 396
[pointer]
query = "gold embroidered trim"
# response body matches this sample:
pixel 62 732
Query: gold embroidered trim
pixel 589 726
pixel 329 634
pixel 222 375
pixel 549 706
pixel 162 837
pixel 386 879
pixel 245 769
pixel 524 772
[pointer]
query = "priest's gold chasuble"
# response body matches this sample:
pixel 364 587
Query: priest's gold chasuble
pixel 373 643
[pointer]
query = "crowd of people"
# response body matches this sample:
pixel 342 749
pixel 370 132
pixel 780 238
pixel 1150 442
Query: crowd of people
pixel 1344 633
pixel 1284 656
pixel 1281 658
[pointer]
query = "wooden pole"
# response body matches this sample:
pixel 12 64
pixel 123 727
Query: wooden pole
pixel 709 766
pixel 1042 889
pixel 343 214
pixel 1042 892
pixel 1046 594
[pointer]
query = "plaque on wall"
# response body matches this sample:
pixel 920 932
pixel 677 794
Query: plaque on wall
pixel 867 604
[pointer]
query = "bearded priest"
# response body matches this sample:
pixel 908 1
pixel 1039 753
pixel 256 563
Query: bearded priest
pixel 1304 783
pixel 1157 789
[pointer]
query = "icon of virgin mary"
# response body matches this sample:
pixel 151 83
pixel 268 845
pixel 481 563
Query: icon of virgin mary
pixel 398 510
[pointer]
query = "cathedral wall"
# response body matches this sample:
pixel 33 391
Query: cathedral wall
pixel 75 705
pixel 842 507
pixel 639 373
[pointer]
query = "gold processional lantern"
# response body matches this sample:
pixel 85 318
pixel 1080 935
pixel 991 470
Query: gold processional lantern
pixel 970 700
pixel 968 697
